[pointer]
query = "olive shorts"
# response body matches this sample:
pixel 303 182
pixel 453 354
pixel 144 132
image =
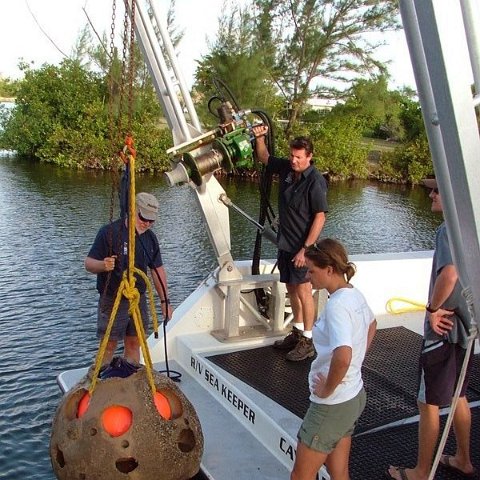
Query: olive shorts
pixel 325 425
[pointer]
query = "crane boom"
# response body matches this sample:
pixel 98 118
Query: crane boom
pixel 196 155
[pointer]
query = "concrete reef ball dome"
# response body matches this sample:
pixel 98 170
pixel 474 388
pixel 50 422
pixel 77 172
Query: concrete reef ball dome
pixel 122 432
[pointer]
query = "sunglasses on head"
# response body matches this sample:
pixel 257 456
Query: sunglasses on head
pixel 314 247
pixel 435 190
pixel 143 219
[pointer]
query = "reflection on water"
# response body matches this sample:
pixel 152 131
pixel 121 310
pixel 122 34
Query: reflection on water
pixel 47 300
pixel 367 217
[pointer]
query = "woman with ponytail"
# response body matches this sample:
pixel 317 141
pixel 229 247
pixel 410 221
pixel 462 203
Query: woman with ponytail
pixel 341 335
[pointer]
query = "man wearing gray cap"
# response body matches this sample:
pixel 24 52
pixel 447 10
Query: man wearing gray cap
pixel 107 258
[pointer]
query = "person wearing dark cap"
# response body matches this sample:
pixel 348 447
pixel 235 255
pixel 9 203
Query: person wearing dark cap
pixel 446 331
pixel 107 258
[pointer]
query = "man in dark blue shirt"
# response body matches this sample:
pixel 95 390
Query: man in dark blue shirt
pixel 302 206
pixel 108 259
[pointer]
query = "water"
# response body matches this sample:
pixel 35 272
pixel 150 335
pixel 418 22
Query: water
pixel 48 220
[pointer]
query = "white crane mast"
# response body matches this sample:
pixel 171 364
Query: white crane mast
pixel 196 155
pixel 444 42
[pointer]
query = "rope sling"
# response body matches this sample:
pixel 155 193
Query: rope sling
pixel 127 287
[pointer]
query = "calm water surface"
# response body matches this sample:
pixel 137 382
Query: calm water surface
pixel 48 220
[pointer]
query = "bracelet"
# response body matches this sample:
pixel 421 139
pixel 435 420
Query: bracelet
pixel 167 301
pixel 305 246
pixel 429 309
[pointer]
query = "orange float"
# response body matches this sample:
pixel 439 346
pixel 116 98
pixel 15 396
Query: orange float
pixel 163 405
pixel 83 405
pixel 116 420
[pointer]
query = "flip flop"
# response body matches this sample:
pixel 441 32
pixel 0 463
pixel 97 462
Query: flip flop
pixel 445 462
pixel 400 470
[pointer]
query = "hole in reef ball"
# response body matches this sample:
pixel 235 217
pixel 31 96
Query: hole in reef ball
pixel 83 405
pixel 126 465
pixel 60 458
pixel 186 441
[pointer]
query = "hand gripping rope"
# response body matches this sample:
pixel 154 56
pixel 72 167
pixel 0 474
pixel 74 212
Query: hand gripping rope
pixel 127 286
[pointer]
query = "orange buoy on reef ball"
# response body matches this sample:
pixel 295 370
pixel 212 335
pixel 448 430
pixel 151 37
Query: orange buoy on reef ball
pixel 116 420
pixel 122 431
pixel 83 405
pixel 163 405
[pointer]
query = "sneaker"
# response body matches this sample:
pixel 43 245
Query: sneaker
pixel 304 349
pixel 290 341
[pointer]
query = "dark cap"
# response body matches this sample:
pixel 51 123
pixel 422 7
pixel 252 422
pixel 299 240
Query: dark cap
pixel 430 182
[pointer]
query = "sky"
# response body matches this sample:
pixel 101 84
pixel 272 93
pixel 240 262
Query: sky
pixel 21 35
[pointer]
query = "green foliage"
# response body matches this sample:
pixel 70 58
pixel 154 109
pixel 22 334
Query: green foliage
pixel 236 61
pixel 8 87
pixel 266 56
pixel 313 116
pixel 53 113
pixel 311 44
pixel 338 147
pixel 409 163
pixel 62 116
pixel 381 109
pixel 240 73
pixel 411 117
pixel 152 144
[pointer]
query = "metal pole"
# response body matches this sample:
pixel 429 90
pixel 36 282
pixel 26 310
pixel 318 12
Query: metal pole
pixel 430 116
pixel 265 231
pixel 167 43
pixel 160 73
pixel 471 11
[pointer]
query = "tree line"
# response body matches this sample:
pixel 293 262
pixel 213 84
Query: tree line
pixel 273 55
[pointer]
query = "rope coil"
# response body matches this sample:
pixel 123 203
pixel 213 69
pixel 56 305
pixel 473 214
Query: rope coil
pixel 410 305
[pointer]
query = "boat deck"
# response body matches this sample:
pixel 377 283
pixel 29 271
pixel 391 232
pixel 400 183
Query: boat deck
pixel 387 430
pixel 250 403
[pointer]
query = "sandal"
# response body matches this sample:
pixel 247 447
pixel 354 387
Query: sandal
pixel 400 470
pixel 445 461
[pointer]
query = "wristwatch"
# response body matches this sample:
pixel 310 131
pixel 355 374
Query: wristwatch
pixel 429 309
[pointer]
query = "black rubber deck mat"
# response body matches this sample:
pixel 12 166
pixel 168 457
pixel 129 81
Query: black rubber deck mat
pixel 474 383
pixel 390 374
pixel 372 453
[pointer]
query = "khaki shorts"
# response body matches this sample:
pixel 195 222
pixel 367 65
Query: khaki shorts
pixel 325 425
pixel 123 326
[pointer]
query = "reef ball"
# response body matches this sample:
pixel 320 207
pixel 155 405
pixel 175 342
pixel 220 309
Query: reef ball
pixel 124 432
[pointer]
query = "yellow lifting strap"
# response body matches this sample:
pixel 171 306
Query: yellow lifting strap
pixel 127 286
pixel 409 305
